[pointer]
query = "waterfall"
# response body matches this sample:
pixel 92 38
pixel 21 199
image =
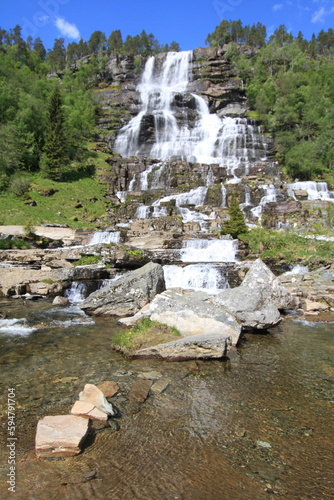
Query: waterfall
pixel 77 292
pixel 208 251
pixel 315 190
pixel 269 197
pixel 176 124
pixel 105 237
pixel 209 278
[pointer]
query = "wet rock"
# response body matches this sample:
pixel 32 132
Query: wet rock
pixel 140 390
pixel 88 410
pixel 93 395
pixel 214 345
pixel 60 436
pixel 128 294
pixel 263 444
pixel 152 375
pixel 109 388
pixel 60 301
pixel 160 386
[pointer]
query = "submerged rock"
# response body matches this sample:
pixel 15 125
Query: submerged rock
pixel 60 435
pixel 209 345
pixel 128 294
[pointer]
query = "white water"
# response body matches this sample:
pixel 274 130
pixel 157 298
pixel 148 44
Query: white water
pixel 297 269
pixel 231 142
pixel 208 251
pixel 105 237
pixel 77 292
pixel 269 197
pixel 15 327
pixel 208 278
pixel 315 190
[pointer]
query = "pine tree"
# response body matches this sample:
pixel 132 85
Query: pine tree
pixel 236 223
pixel 54 150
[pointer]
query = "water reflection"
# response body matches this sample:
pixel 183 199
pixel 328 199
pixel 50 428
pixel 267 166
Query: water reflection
pixel 202 438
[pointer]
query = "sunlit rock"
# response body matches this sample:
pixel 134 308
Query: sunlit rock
pixel 60 436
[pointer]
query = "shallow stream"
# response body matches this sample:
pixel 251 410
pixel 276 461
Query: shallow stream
pixel 257 426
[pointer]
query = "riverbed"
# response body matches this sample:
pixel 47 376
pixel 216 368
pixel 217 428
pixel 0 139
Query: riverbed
pixel 256 426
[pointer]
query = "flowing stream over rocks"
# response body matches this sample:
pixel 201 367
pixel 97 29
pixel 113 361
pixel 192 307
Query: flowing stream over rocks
pixel 257 424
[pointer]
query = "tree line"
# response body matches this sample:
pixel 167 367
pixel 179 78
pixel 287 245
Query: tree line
pixel 290 88
pixel 32 52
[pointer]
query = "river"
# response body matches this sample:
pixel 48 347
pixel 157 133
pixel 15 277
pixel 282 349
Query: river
pixel 257 426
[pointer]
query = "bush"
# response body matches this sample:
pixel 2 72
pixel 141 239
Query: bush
pixel 20 184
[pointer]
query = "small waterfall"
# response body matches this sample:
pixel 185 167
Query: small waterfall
pixel 209 278
pixel 105 237
pixel 315 190
pixel 77 292
pixel 269 197
pixel 209 250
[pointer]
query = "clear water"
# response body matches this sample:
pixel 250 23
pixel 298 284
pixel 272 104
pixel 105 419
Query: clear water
pixel 205 437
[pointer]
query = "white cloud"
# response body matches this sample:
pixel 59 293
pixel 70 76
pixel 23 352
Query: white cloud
pixel 277 6
pixel 67 29
pixel 319 15
pixel 43 18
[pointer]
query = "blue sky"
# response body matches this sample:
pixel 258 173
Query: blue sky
pixel 185 21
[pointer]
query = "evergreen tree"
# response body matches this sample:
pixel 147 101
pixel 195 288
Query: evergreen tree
pixel 236 223
pixel 54 150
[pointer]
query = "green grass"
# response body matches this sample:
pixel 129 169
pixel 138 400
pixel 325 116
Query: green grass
pixel 87 260
pixel 145 333
pixel 288 247
pixel 60 208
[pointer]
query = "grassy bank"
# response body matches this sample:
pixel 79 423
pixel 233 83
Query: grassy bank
pixel 291 248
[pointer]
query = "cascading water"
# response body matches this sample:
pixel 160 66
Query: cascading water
pixel 208 278
pixel 269 197
pixel 208 250
pixel 315 190
pixel 105 237
pixel 182 126
pixel 77 292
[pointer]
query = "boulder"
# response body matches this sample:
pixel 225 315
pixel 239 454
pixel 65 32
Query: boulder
pixel 128 294
pixel 250 307
pixel 60 436
pixel 60 301
pixel 93 395
pixel 206 345
pixel 260 277
pixel 193 313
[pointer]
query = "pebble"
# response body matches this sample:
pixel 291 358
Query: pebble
pixel 263 444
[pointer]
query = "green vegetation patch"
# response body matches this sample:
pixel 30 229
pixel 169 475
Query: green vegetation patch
pixel 288 247
pixel 87 260
pixel 8 244
pixel 145 333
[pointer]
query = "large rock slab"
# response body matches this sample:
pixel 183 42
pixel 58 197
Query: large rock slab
pixel 128 294
pixel 206 345
pixel 193 314
pixel 60 435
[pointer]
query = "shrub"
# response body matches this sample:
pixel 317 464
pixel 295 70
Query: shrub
pixel 19 185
